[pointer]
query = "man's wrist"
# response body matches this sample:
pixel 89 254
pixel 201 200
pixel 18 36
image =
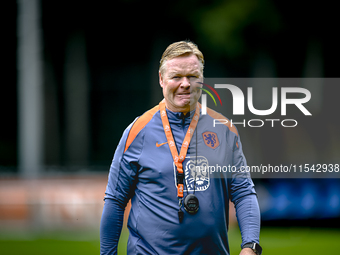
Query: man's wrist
pixel 254 247
pixel 247 251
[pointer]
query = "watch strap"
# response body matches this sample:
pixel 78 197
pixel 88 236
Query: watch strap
pixel 254 246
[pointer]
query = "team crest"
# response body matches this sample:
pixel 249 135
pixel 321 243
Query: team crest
pixel 195 169
pixel 210 139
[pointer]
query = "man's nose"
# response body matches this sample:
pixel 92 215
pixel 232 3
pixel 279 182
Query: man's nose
pixel 185 82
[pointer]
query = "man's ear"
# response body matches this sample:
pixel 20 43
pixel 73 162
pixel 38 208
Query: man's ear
pixel 160 79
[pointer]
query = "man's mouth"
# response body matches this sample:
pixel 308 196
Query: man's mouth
pixel 184 95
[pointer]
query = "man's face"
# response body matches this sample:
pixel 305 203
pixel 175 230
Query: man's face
pixel 179 83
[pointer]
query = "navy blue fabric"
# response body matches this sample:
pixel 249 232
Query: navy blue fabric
pixel 146 174
pixel 248 217
pixel 110 229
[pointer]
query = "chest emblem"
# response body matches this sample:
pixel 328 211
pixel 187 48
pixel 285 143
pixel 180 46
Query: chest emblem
pixel 210 139
pixel 197 176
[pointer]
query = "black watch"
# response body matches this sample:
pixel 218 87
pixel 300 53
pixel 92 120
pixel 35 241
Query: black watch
pixel 254 246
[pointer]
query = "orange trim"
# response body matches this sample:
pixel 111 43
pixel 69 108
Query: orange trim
pixel 139 125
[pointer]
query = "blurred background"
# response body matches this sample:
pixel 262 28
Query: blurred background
pixel 77 74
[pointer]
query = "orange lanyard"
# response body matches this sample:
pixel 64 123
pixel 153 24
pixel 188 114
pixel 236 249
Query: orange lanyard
pixel 178 159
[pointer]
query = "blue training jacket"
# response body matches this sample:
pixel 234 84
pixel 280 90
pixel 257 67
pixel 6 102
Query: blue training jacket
pixel 143 170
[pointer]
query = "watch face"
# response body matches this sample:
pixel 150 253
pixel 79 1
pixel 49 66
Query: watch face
pixel 191 204
pixel 255 247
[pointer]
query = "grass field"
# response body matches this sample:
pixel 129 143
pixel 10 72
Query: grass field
pixel 274 241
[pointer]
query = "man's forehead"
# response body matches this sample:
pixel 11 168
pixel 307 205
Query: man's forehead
pixel 189 63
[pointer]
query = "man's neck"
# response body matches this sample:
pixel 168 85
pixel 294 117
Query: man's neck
pixel 184 110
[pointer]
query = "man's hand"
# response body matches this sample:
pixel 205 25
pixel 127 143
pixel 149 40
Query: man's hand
pixel 247 251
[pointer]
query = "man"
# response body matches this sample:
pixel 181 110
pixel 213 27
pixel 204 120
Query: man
pixel 177 207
